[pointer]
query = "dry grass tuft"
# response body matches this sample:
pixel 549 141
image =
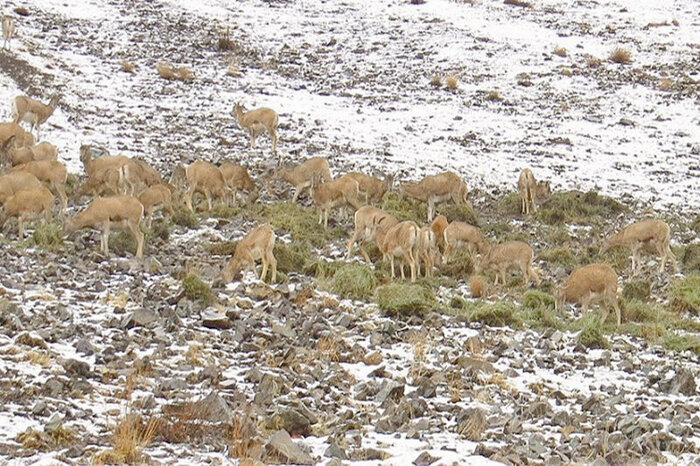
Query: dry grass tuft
pixel 40 358
pixel 193 353
pixel 454 386
pixel 328 346
pixel 592 61
pixel 131 436
pixel 665 84
pixel 127 65
pixel 494 96
pixel 477 286
pixel 566 72
pixel 165 70
pixel 620 55
pixel 519 3
pixel 225 42
pixel 243 436
pixel 436 80
pixel 561 51
pixel 451 82
pixel 233 68
pixel 472 424
pixel 420 345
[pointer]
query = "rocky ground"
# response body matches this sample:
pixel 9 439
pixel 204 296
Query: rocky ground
pixel 113 360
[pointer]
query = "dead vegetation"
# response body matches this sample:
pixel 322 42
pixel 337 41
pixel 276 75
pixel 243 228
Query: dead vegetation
pixel 620 55
pixel 131 435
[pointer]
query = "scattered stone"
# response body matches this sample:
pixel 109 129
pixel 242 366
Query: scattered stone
pixel 284 330
pixel 77 368
pixel 683 382
pixel 213 408
pixel 31 340
pixel 425 459
pixel 390 389
pixel 280 446
pixel 335 451
pixel 139 318
pixel 212 318
pixel 374 358
pixel 292 421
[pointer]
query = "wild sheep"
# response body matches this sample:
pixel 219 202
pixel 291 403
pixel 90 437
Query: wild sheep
pixel 434 189
pixel 371 224
pixel 307 174
pixel 202 177
pixel 257 244
pixel 237 178
pixel 371 187
pixel 335 193
pixel 104 212
pixel 461 233
pixel 255 121
pixel 51 172
pixel 531 191
pixel 509 255
pixel 8 31
pixel 649 232
pixel 400 241
pixel 32 111
pixel 27 204
pixel 590 284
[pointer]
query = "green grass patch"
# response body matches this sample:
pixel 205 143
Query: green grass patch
pixel 354 281
pixel 681 343
pixel 72 183
pixel 399 298
pixel 196 289
pixel 160 229
pixel 185 218
pixel 223 210
pixel 406 208
pixel 591 334
pixel 460 264
pixel 636 310
pixel 302 224
pixel 122 243
pixel 690 259
pixel 497 314
pixel 561 255
pixel 294 257
pixel 497 230
pixel 459 213
pixel 48 235
pixel 636 289
pixel 578 207
pixel 695 225
pixel 222 248
pixel 508 204
pixel 684 295
pixel 554 235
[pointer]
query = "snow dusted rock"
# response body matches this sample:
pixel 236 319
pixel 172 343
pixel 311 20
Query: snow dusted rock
pixel 280 445
pixel 335 451
pixel 683 381
pixel 139 318
pixel 425 459
pixel 212 318
pixel 291 420
pixel 74 367
pixel 390 390
pixel 213 408
pixel 31 340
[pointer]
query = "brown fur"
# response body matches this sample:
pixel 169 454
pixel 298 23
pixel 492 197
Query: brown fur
pixel 651 232
pixel 335 193
pixel 307 174
pixel 590 284
pixel 8 31
pixel 434 189
pixel 51 172
pixel 531 191
pixel 371 224
pixel 371 187
pixel 400 241
pixel 458 233
pixel 257 244
pixel 26 204
pixel 509 255
pixel 32 111
pixel 154 198
pixel 255 121
pixel 16 182
pixel 105 212
pixel 237 178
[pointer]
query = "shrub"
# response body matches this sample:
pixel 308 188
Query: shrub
pixel 685 295
pixel 459 264
pixel 636 289
pixel 295 256
pixel 436 80
pixel 398 298
pixel 404 209
pixel 561 51
pixel 533 299
pixel 498 314
pixel 130 438
pixel 354 281
pixel 160 229
pixel 301 224
pixel 185 218
pixel 195 289
pixel 691 258
pixel 636 310
pixel 48 235
pixel 682 343
pixel 591 334
pixel 494 96
pixel 221 248
pixel 451 82
pixel 563 256
pixel 460 213
pixel 620 55
pixel 122 243
pixel 578 207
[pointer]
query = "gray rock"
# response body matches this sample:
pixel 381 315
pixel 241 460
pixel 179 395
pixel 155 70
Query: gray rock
pixel 53 387
pixel 85 347
pixel 53 424
pixel 335 451
pixel 284 330
pixel 211 318
pixel 77 368
pixel 682 382
pixel 280 445
pixel 390 389
pixel 213 408
pixel 139 318
pixel 40 409
pixel 291 420
pixel 425 459
pixel 427 388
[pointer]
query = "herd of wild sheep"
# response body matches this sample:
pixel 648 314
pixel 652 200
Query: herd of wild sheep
pixel 128 191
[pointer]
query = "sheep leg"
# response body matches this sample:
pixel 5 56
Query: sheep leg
pixel 207 194
pixel 139 237
pixel 105 238
pixel 351 242
pixel 273 139
pixel 188 199
pixel 391 261
pixel 264 268
pixel 20 226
